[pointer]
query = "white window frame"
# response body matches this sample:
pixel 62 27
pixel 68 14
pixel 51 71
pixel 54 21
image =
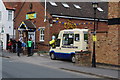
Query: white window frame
pixel 9 15
pixel 52 3
pixel 65 5
pixel 42 34
pixel 0 15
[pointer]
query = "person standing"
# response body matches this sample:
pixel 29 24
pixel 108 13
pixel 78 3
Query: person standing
pixel 19 48
pixel 10 45
pixel 14 46
pixel 23 47
pixel 29 45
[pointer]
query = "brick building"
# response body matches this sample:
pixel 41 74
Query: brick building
pixel 61 17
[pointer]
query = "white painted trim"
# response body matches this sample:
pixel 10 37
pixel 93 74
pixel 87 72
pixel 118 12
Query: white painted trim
pixel 78 18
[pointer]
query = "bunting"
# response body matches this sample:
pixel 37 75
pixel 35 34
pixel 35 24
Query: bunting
pixel 77 24
pixel 71 24
pixel 67 25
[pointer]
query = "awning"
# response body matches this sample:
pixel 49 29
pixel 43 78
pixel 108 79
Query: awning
pixel 27 26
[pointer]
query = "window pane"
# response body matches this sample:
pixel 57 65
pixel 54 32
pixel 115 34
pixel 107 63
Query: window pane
pixel 85 36
pixel 68 39
pixel 58 43
pixel 77 38
pixel 43 37
pixel 43 31
pixel 9 15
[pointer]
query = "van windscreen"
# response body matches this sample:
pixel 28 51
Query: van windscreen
pixel 68 39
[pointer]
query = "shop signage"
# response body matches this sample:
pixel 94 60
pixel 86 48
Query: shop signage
pixel 31 15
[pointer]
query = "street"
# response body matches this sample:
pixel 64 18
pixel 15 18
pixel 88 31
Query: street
pixel 18 69
pixel 43 67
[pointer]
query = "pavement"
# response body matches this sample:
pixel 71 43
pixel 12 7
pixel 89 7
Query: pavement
pixel 103 72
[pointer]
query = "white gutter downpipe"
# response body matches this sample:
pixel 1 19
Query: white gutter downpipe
pixel 45 12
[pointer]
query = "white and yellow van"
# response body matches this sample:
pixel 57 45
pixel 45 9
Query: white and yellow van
pixel 68 42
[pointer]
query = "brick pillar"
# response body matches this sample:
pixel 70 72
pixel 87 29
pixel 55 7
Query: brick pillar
pixel 108 44
pixel 113 34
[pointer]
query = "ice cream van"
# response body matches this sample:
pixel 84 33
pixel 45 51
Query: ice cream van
pixel 68 42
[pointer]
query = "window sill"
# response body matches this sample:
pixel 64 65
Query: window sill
pixel 41 41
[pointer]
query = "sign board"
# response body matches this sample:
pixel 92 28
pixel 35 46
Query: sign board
pixel 94 38
pixel 31 15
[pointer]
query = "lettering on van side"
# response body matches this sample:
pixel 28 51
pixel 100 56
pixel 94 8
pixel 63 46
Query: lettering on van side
pixel 68 32
pixel 69 47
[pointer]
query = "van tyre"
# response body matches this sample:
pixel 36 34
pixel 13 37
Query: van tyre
pixel 52 56
pixel 73 58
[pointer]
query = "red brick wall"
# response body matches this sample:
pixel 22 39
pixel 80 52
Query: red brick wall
pixel 49 31
pixel 22 11
pixel 113 35
pixel 106 46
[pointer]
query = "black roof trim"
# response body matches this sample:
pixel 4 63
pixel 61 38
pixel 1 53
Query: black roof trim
pixel 10 9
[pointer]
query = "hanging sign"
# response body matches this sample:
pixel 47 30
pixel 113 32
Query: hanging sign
pixel 31 15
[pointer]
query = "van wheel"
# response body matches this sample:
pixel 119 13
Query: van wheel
pixel 52 56
pixel 73 59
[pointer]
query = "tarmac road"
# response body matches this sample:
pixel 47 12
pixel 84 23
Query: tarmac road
pixel 17 69
pixel 43 67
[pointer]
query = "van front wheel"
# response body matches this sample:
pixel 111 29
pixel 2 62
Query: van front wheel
pixel 73 58
pixel 52 56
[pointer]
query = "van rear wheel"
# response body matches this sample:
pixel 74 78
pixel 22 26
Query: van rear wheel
pixel 73 58
pixel 52 56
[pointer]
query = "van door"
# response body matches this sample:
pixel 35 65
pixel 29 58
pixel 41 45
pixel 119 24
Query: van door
pixel 67 45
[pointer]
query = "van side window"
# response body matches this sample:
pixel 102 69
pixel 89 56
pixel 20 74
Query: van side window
pixel 58 43
pixel 68 39
pixel 77 37
pixel 85 37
